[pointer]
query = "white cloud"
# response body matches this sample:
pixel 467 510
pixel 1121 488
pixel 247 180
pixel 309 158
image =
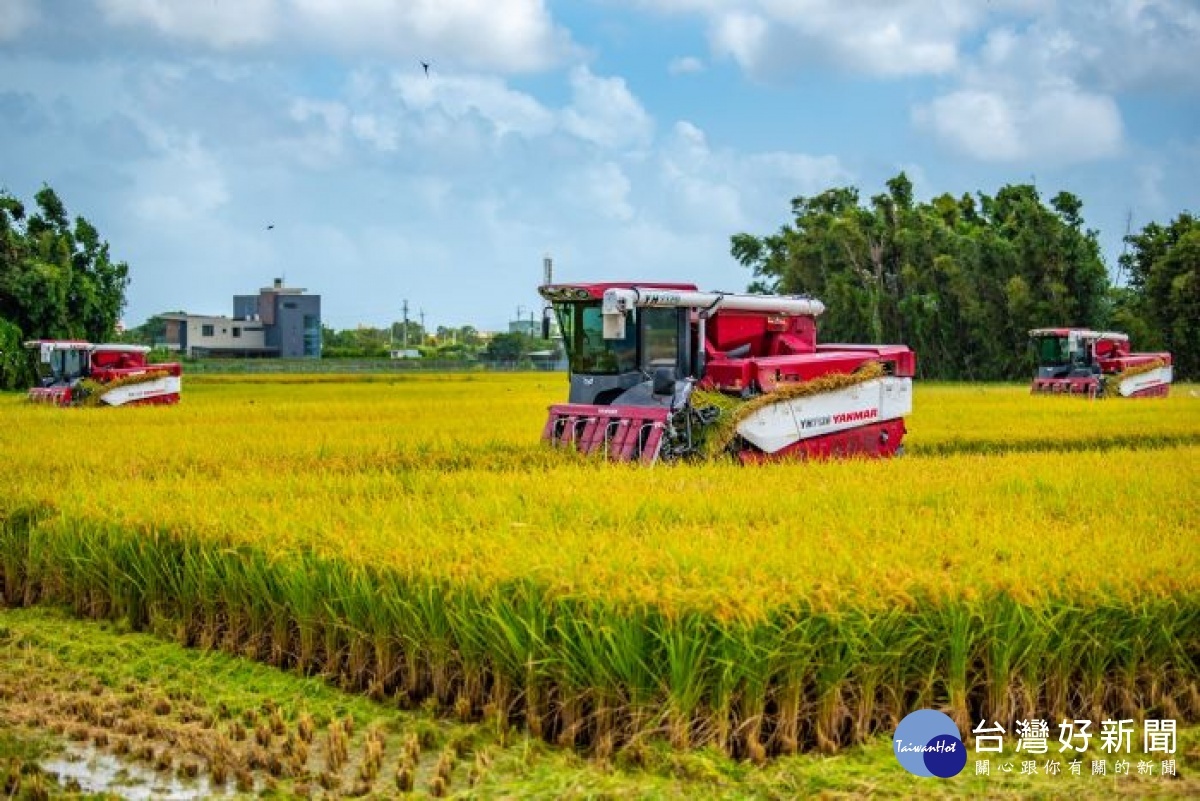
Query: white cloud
pixel 373 129
pixel 1106 46
pixel 1102 45
pixel 741 35
pixel 603 111
pixel 219 25
pixel 603 189
pixel 1044 87
pixel 1124 44
pixel 685 65
pixel 185 184
pixel 317 137
pixel 516 35
pixel 506 35
pixel 730 190
pixel 506 110
pixel 464 117
pixel 898 38
pixel 16 17
pixel 978 123
pixel 1057 125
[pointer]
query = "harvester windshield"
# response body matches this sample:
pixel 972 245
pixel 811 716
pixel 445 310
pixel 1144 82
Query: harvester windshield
pixel 61 365
pixel 587 350
pixel 1052 350
pixel 651 339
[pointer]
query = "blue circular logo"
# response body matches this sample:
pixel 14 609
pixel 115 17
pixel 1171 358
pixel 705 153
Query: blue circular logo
pixel 927 743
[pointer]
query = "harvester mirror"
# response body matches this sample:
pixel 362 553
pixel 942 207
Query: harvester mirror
pixel 614 325
pixel 613 308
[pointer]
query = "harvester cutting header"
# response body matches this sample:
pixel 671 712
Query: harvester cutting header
pixel 666 371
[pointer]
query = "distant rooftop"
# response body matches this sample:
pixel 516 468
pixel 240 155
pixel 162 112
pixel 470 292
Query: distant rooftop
pixel 279 289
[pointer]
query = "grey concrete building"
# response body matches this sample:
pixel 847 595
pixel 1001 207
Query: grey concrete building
pixel 279 321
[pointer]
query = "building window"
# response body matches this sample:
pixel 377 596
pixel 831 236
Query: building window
pixel 312 335
pixel 206 330
pixel 290 304
pixel 237 332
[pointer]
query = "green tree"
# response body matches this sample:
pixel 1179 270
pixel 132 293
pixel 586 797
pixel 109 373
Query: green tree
pixel 959 280
pixel 515 347
pixel 415 334
pixel 152 332
pixel 57 278
pixel 509 347
pixel 1163 263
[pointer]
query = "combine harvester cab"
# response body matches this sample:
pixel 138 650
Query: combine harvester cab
pixel 663 371
pixel 74 373
pixel 1096 364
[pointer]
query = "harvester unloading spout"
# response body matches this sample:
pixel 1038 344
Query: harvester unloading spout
pixel 663 371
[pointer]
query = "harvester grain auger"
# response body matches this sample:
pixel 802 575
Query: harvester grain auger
pixel 663 371
pixel 75 373
pixel 1097 364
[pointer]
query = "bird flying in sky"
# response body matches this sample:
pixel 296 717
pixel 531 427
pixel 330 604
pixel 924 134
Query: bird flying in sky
pixel 425 64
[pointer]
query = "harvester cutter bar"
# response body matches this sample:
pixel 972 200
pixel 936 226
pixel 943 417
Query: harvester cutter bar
pixel 622 433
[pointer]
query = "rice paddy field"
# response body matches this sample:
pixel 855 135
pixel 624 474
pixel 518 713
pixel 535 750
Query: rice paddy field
pixel 410 538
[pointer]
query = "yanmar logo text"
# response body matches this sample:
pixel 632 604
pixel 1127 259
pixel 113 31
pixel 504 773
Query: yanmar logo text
pixel 854 417
pixel 841 418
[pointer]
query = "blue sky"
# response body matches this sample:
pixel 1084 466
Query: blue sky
pixel 628 139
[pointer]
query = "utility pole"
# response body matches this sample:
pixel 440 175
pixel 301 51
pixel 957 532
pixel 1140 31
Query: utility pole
pixel 547 278
pixel 404 331
pixel 422 315
pixel 1120 278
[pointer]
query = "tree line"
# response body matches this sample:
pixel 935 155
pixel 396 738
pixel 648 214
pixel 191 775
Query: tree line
pixel 446 343
pixel 463 344
pixel 962 280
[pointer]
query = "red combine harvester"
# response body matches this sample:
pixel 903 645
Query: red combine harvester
pixel 73 371
pixel 644 356
pixel 1091 364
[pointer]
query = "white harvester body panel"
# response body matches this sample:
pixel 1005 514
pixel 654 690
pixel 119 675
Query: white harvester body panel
pixel 781 424
pixel 119 396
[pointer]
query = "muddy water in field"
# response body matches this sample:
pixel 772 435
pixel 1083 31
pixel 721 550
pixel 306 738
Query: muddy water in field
pixel 87 769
